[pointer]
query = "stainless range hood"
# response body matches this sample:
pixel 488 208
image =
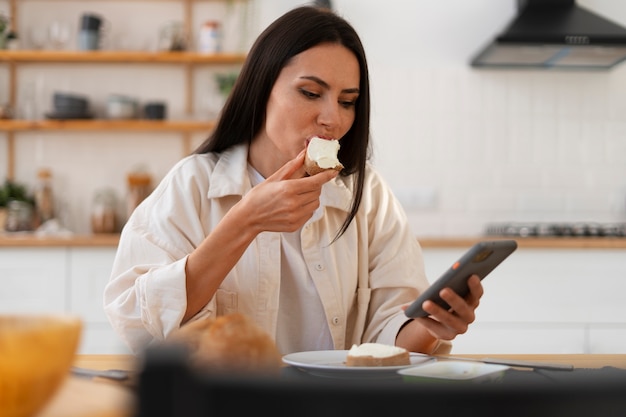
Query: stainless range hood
pixel 555 34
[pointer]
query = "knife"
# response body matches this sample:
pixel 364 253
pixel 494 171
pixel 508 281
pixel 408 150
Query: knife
pixel 114 374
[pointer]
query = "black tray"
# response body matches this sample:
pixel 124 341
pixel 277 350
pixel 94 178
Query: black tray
pixel 68 116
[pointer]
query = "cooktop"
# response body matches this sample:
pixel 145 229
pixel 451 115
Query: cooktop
pixel 554 229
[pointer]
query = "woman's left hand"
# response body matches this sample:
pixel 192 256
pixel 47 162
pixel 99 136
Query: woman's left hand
pixel 424 334
pixel 447 324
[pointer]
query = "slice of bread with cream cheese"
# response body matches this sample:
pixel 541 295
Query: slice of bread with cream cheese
pixel 321 155
pixel 377 354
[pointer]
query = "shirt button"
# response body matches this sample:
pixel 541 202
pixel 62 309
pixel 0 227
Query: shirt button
pixel 336 321
pixel 319 267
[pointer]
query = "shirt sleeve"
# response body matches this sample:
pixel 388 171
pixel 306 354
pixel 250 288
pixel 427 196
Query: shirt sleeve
pixel 396 265
pixel 145 298
pixel 144 301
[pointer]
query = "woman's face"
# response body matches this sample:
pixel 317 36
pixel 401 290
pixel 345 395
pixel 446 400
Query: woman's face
pixel 314 95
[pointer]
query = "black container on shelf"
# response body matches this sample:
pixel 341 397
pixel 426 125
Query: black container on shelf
pixel 70 102
pixel 155 111
pixel 90 21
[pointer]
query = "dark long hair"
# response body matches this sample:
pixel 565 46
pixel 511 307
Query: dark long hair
pixel 244 112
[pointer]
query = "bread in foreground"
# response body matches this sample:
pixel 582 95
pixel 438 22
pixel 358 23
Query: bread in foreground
pixel 377 354
pixel 232 343
pixel 321 155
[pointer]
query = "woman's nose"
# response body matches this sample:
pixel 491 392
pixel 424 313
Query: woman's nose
pixel 329 115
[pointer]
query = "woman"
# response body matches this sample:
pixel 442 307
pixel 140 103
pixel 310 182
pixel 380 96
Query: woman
pixel 319 262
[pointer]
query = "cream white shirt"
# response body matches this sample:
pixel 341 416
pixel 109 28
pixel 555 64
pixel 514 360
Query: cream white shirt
pixel 362 279
pixel 298 295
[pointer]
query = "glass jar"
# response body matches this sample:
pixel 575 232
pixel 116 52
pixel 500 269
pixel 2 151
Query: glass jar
pixel 173 37
pixel 139 186
pixel 19 216
pixel 103 212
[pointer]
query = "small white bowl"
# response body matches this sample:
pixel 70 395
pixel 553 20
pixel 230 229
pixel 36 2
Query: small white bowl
pixel 453 371
pixel 122 107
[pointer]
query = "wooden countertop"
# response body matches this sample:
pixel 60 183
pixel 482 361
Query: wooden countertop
pixel 102 398
pixel 79 397
pixel 31 240
pixel 98 397
pixel 576 359
pixel 579 360
pixel 111 240
pixel 531 242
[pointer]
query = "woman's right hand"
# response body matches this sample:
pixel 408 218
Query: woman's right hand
pixel 281 203
pixel 286 200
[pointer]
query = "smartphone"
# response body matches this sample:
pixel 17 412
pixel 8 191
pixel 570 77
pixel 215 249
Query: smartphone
pixel 480 259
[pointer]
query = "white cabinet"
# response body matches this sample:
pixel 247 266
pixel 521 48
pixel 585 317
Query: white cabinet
pixel 33 280
pixel 61 280
pixel 89 271
pixel 546 301
pixel 537 301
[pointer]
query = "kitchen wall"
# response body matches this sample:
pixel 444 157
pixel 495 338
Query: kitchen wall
pixel 462 147
pixel 471 146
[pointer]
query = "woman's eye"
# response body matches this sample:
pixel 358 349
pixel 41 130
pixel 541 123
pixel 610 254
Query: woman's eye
pixel 348 104
pixel 309 94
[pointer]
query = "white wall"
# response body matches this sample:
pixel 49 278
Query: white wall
pixel 489 145
pixel 473 145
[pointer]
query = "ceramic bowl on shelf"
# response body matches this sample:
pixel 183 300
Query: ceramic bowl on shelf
pixel 36 354
pixel 122 107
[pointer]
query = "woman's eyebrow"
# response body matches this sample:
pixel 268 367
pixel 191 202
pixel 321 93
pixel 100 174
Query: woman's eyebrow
pixel 324 84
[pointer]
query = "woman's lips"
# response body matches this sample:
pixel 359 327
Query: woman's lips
pixel 319 136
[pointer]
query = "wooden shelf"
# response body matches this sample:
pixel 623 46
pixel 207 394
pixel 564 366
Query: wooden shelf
pixel 24 56
pixel 185 126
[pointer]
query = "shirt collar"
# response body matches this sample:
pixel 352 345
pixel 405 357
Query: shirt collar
pixel 230 175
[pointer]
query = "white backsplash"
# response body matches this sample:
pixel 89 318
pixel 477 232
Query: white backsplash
pixel 500 146
pixel 462 147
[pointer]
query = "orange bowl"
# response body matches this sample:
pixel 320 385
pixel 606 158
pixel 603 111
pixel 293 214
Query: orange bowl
pixel 36 353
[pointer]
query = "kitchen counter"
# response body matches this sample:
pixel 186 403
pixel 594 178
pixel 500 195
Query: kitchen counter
pixel 103 398
pixel 98 397
pixel 531 242
pixel 31 240
pixel 579 360
pixel 111 240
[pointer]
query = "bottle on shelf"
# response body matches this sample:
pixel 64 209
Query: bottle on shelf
pixel 139 186
pixel 44 196
pixel 210 38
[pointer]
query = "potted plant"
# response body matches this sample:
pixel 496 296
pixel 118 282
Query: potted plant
pixel 4 30
pixel 225 82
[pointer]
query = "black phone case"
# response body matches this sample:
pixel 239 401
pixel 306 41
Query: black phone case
pixel 480 259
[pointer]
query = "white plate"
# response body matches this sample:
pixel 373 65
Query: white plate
pixel 449 370
pixel 332 363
